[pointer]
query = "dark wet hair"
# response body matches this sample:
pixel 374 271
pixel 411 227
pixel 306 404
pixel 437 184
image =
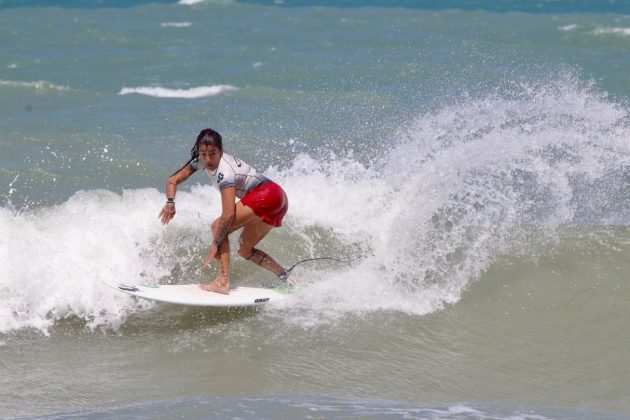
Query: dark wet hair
pixel 208 137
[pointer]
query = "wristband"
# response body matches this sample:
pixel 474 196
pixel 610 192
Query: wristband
pixel 170 200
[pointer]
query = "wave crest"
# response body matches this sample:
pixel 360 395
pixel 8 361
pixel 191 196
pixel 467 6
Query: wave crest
pixel 192 93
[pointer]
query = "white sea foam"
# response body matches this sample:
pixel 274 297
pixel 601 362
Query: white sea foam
pixel 61 257
pixel 160 92
pixel 193 2
pixel 176 24
pixel 462 186
pixel 612 31
pixel 40 85
pixel 568 28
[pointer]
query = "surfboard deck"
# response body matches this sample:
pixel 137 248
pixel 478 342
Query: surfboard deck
pixel 192 295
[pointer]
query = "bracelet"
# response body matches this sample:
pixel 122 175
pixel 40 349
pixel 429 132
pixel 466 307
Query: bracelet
pixel 170 200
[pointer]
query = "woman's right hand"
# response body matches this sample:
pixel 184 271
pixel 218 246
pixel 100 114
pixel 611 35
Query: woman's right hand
pixel 167 213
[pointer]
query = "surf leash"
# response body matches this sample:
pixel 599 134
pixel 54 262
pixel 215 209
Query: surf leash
pixel 284 276
pixel 288 270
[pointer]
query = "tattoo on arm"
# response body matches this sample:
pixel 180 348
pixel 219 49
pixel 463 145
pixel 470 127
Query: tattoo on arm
pixel 222 231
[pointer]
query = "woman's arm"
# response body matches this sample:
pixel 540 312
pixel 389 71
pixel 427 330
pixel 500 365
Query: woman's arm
pixel 168 211
pixel 228 214
pixel 224 223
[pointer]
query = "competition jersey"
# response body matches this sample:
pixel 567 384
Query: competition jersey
pixel 232 172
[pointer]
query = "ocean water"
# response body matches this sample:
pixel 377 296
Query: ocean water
pixel 470 160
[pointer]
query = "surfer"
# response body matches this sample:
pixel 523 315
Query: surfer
pixel 262 207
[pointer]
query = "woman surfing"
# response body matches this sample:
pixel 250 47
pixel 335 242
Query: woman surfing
pixel 262 207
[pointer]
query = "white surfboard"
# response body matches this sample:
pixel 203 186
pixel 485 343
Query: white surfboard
pixel 192 295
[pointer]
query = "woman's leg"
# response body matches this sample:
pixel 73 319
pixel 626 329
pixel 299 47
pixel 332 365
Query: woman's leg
pixel 221 284
pixel 254 232
pixel 271 201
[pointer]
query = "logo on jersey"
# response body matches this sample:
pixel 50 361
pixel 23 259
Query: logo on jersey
pixel 219 177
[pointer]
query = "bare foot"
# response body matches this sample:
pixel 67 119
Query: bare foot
pixel 220 285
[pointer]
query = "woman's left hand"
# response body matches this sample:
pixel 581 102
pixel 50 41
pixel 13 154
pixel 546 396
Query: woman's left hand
pixel 211 254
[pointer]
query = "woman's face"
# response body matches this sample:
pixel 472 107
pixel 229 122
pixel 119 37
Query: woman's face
pixel 209 156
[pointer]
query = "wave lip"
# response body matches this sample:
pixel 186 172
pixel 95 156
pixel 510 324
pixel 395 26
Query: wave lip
pixel 192 93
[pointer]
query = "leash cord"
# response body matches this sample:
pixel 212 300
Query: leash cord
pixel 288 270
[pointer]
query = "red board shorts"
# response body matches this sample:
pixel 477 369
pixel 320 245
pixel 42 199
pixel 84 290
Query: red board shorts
pixel 269 202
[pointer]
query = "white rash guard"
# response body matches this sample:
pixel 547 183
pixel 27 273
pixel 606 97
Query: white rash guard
pixel 232 172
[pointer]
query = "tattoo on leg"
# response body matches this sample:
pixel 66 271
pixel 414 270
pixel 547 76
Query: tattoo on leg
pixel 258 257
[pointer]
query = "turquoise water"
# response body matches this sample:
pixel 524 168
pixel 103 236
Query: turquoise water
pixel 471 159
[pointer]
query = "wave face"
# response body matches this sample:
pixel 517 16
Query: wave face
pixel 452 192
